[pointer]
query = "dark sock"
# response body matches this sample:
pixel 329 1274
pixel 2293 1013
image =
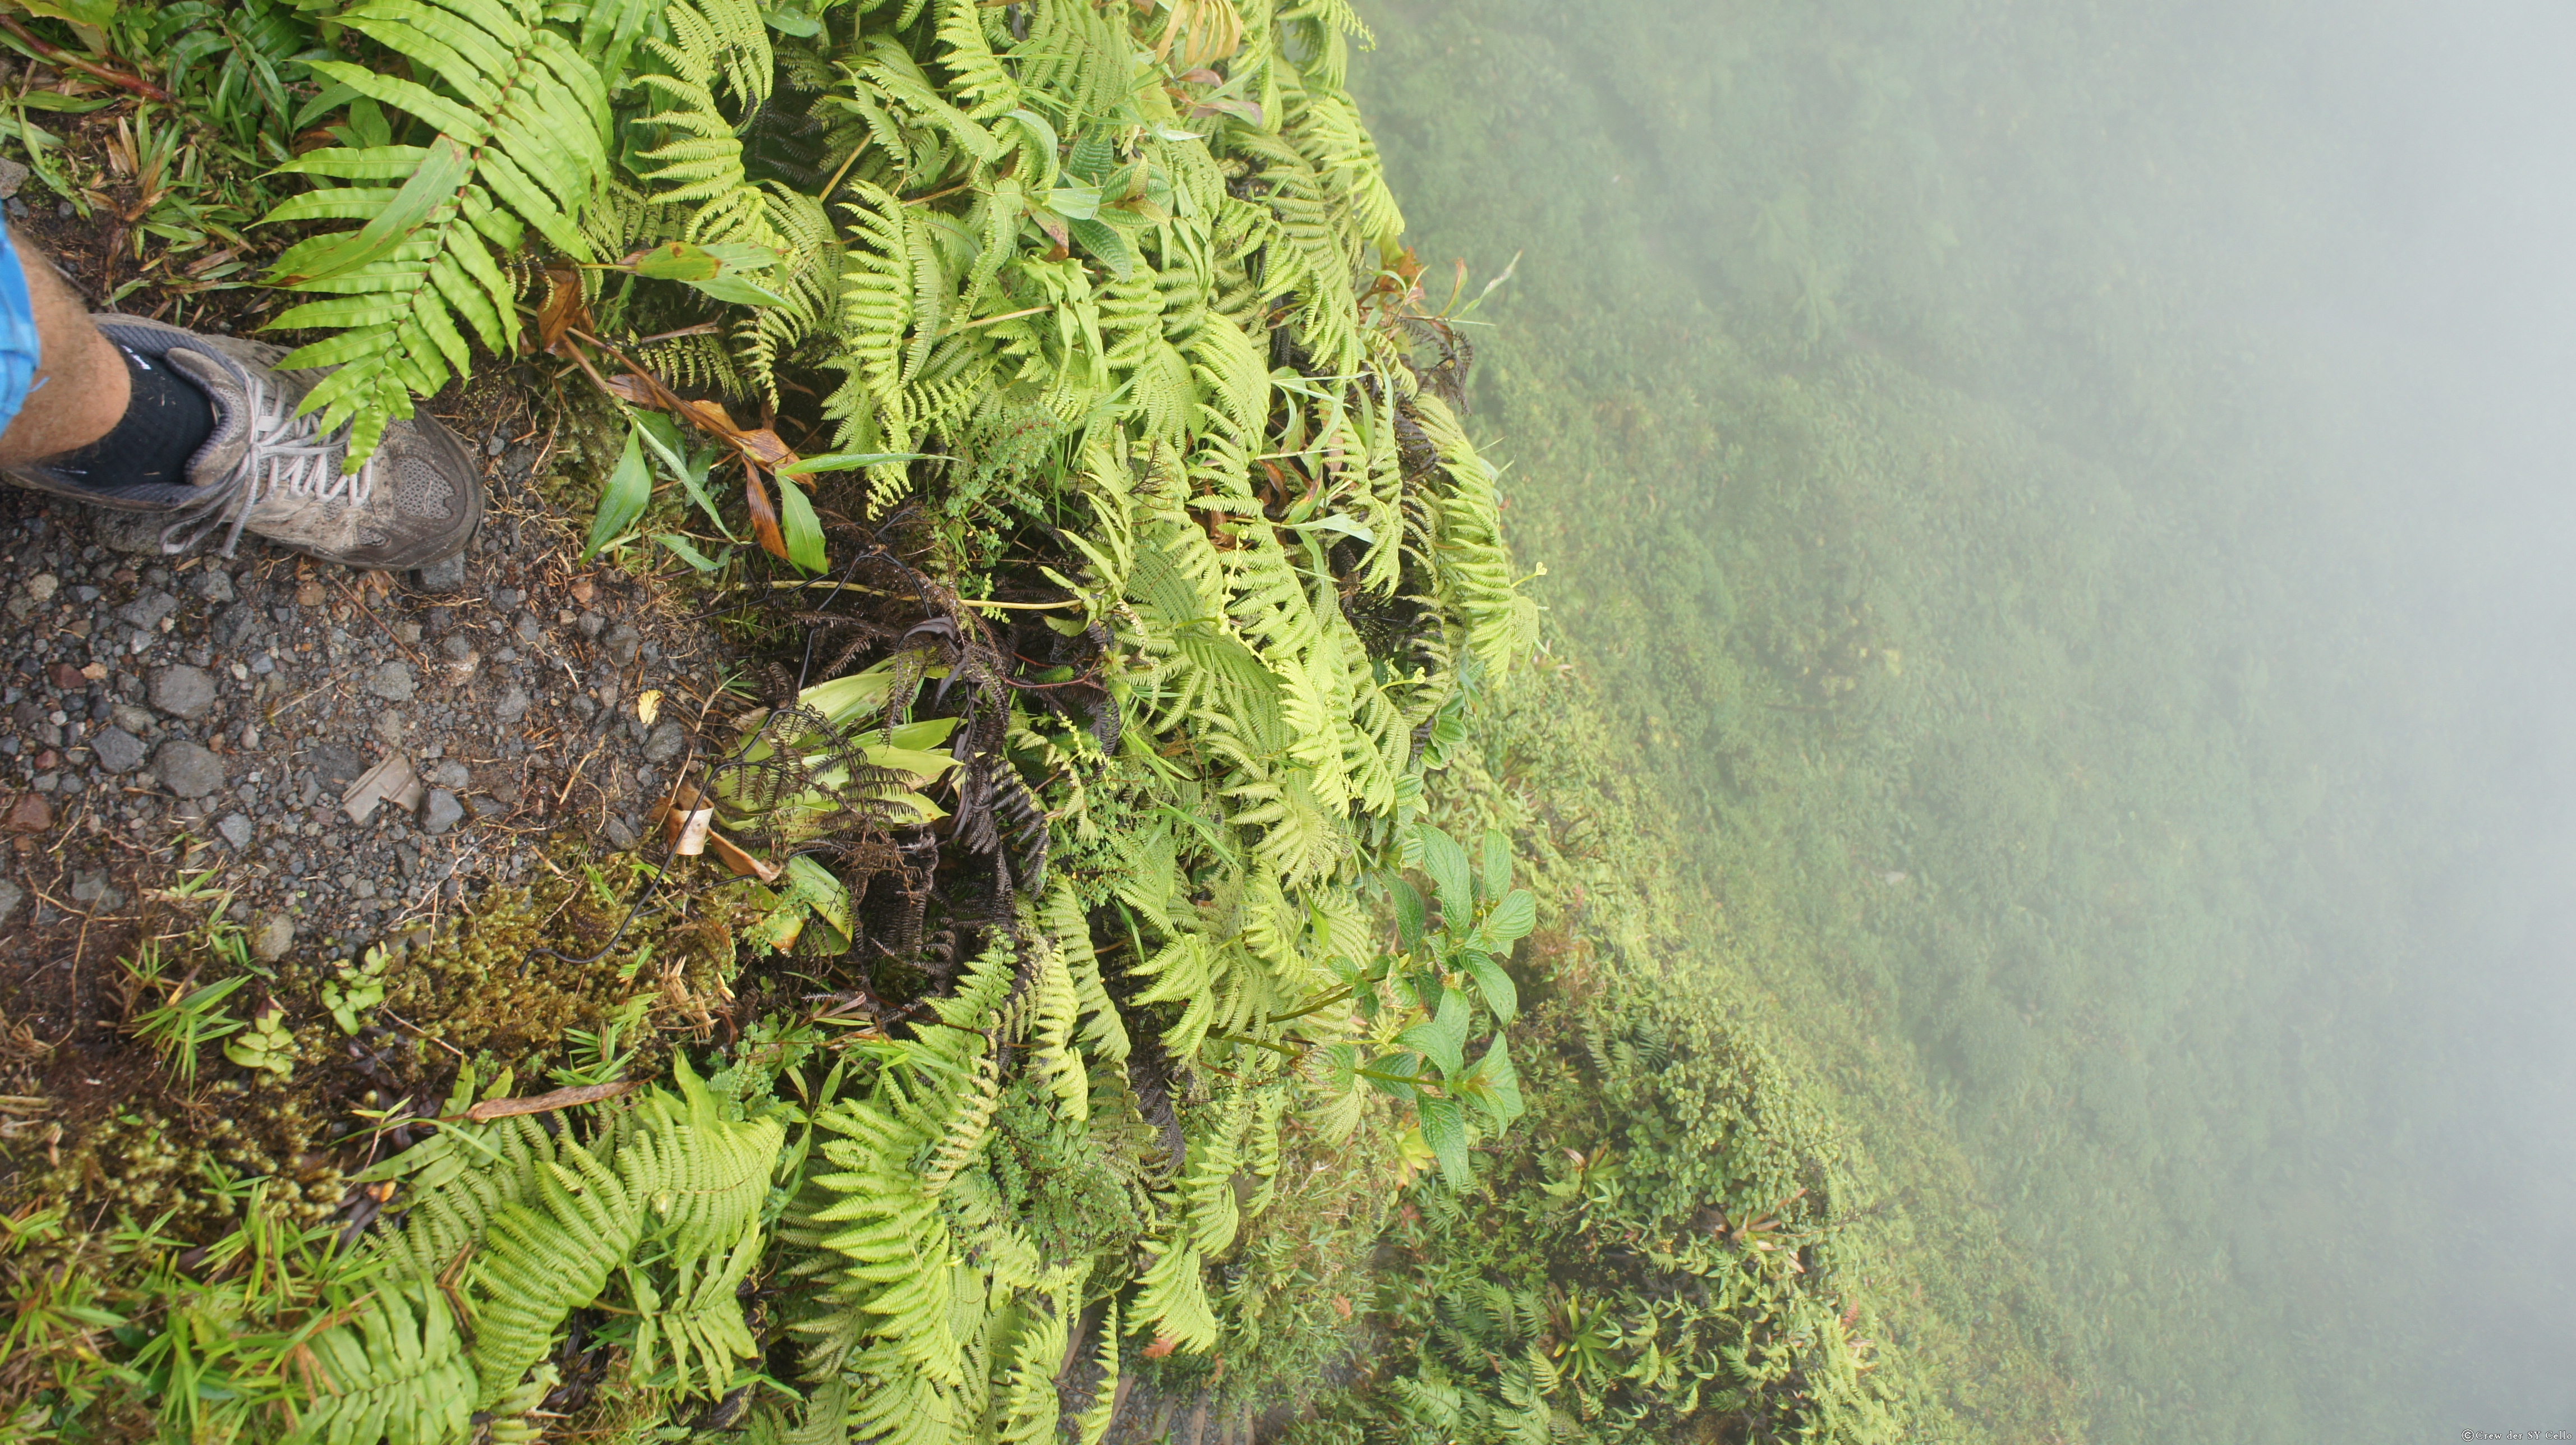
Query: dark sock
pixel 166 419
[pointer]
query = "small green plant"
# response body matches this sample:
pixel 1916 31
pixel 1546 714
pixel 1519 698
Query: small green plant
pixel 356 989
pixel 1481 916
pixel 267 1044
pixel 186 1017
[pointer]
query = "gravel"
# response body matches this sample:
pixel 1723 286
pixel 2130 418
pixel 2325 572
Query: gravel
pixel 154 710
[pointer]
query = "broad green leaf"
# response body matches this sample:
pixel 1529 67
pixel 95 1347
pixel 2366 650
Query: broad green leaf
pixel 1336 522
pixel 1075 202
pixel 812 884
pixel 845 699
pixel 923 736
pixel 792 20
pixel 661 437
pixel 803 530
pixel 622 500
pixel 1393 1069
pixel 1495 983
pixel 714 269
pixel 1442 1038
pixel 1412 919
pixel 844 462
pixel 737 291
pixel 662 434
pixel 1512 919
pixel 1446 863
pixel 1496 1085
pixel 688 553
pixel 1496 874
pixel 1444 1128
pixel 93 13
pixel 922 764
pixel 1105 243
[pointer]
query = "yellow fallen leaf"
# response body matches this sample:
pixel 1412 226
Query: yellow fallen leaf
pixel 648 705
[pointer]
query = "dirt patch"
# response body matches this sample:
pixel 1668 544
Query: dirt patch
pixel 163 715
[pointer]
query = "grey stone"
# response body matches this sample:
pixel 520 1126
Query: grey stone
pixel 459 647
pixel 235 828
pixel 389 727
pixel 10 897
pixel 147 610
pixel 392 682
pixel 276 934
pixel 451 775
pixel 512 706
pixel 94 891
pixel 131 718
pixel 183 691
pixel 338 765
pixel 666 743
pixel 12 176
pixel 133 533
pixel 238 624
pixel 445 575
pixel 187 769
pixel 440 811
pixel 214 584
pixel 118 751
pixel 622 643
pixel 619 835
pixel 528 629
pixel 592 624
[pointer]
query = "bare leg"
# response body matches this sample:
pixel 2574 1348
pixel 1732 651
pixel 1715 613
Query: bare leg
pixel 80 389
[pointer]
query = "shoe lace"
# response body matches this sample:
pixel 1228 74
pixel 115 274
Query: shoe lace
pixel 286 456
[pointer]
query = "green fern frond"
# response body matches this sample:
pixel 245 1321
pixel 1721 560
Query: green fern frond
pixel 520 114
pixel 976 72
pixel 397 1373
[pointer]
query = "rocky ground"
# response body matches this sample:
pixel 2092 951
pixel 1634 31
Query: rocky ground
pixel 258 718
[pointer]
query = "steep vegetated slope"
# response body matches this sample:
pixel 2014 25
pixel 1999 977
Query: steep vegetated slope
pixel 1967 604
pixel 1076 1020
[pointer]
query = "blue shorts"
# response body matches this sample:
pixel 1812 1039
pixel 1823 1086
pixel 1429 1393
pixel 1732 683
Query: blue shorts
pixel 20 354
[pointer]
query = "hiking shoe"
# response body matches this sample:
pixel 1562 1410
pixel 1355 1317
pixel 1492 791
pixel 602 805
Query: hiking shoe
pixel 266 471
